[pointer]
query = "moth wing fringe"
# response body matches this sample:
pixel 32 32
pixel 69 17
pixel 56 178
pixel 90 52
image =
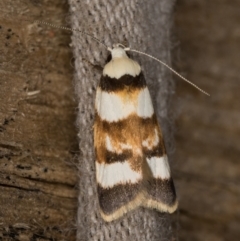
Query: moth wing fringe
pixel 160 206
pixel 130 206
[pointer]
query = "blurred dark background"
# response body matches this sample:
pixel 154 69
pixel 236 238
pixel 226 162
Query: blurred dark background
pixel 206 163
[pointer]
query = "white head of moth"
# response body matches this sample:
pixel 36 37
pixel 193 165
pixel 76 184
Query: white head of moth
pixel 132 167
pixel 120 63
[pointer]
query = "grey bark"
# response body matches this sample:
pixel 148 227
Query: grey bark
pixel 145 26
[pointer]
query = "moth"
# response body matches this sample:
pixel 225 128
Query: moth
pixel 132 167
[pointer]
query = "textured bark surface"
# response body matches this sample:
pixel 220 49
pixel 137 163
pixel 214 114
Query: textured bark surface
pixel 144 25
pixel 37 131
pixel 208 129
pixel 38 144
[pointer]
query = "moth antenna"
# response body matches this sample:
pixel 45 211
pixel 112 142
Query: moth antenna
pixel 72 30
pixel 126 48
pixel 174 71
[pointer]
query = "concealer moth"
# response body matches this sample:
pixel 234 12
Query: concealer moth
pixel 132 168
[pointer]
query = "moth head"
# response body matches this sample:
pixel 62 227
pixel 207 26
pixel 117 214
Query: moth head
pixel 118 51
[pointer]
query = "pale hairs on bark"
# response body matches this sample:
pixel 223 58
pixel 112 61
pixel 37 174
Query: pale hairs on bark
pixel 126 49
